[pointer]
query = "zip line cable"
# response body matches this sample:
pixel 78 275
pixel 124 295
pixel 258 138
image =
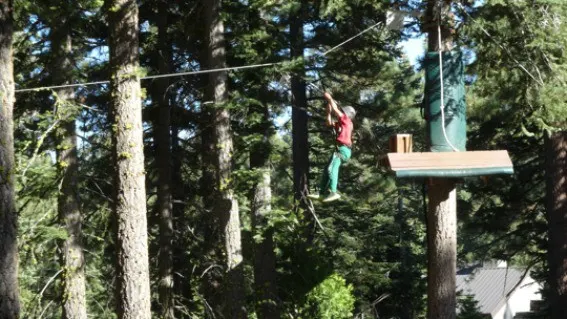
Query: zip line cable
pixel 150 77
pixel 177 74
pixel 350 39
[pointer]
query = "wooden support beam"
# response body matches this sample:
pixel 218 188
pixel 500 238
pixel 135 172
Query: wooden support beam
pixel 450 164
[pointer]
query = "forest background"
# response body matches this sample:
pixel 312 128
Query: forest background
pixel 364 256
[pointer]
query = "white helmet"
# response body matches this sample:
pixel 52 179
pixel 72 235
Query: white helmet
pixel 349 111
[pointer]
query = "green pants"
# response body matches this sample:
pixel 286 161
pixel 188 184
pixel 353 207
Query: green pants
pixel 330 178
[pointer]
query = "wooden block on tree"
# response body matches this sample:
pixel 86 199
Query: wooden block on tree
pixel 401 143
pixel 450 164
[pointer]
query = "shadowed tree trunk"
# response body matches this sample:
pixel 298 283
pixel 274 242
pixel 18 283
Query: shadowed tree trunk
pixel 226 206
pixel 162 140
pixel 9 294
pixel 556 162
pixel 181 261
pixel 133 282
pixel 264 254
pixel 73 260
pixel 299 117
pixel 212 276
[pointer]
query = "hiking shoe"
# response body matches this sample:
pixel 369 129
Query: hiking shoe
pixel 331 197
pixel 313 196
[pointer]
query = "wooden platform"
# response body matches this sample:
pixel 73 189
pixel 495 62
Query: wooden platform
pixel 450 164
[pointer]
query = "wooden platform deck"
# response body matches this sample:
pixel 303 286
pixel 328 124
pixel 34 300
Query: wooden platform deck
pixel 450 164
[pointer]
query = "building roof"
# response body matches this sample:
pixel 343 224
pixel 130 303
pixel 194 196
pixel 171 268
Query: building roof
pixel 490 286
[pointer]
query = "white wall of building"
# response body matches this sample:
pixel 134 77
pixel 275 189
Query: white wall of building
pixel 519 300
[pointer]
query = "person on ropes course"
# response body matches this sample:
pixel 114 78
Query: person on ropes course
pixel 342 152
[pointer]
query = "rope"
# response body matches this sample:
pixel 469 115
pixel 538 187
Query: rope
pixel 439 42
pixel 177 74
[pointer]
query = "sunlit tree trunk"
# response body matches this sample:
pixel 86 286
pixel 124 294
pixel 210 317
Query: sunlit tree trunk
pixel 441 249
pixel 133 282
pixel 9 294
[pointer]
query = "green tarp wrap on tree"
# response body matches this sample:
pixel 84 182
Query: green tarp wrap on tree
pixel 454 98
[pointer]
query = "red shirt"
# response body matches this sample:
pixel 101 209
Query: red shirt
pixel 344 130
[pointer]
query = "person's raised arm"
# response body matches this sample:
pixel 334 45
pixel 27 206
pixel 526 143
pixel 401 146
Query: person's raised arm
pixel 333 105
pixel 328 116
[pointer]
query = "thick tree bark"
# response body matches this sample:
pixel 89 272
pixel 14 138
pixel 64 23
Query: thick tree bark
pixel 130 198
pixel 556 162
pixel 299 117
pixel 9 294
pixel 264 254
pixel 442 207
pixel 441 249
pixel 72 258
pixel 226 206
pixel 162 140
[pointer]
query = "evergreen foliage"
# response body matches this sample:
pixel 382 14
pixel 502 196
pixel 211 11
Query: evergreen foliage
pixel 366 258
pixel 469 309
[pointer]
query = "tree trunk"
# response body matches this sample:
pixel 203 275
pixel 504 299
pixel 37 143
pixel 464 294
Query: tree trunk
pixel 9 294
pixel 556 162
pixel 181 261
pixel 162 140
pixel 442 208
pixel 130 198
pixel 72 258
pixel 226 206
pixel 264 254
pixel 299 117
pixel 432 14
pixel 212 276
pixel 441 249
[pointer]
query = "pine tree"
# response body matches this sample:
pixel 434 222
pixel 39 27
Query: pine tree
pixel 130 196
pixel 255 102
pixel 74 300
pixel 9 294
pixel 299 117
pixel 264 255
pixel 226 205
pixel 517 99
pixel 442 205
pixel 162 140
pixel 212 279
pixel 556 158
pixel 361 232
